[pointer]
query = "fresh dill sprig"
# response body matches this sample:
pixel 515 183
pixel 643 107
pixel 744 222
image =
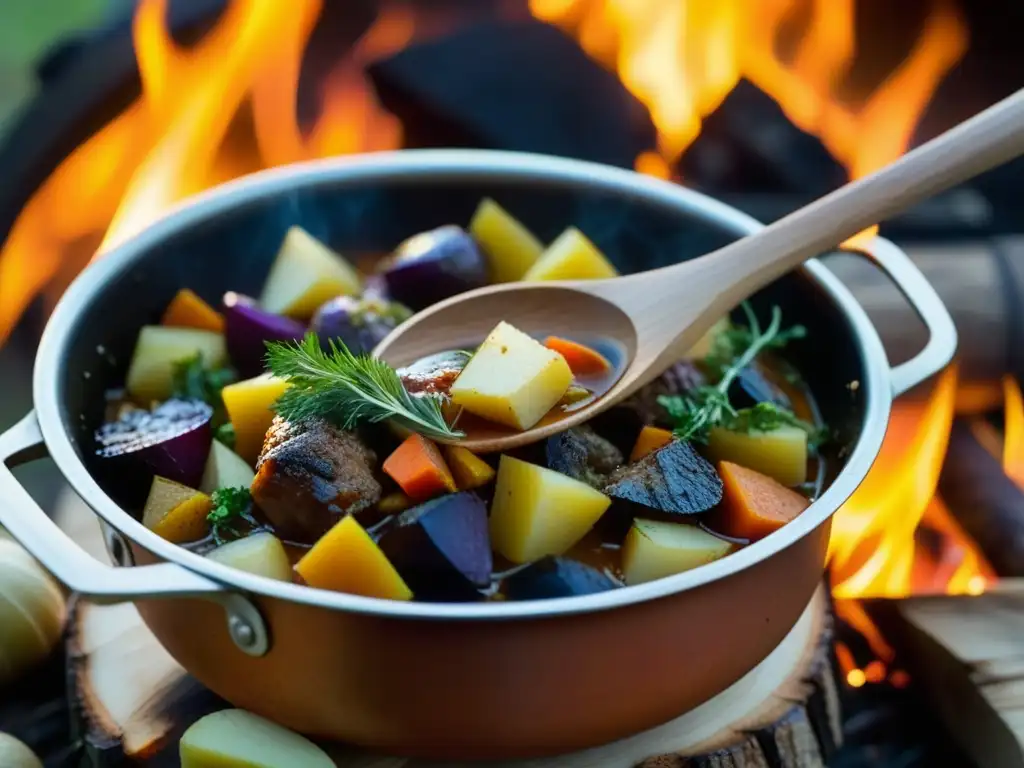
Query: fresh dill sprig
pixel 230 509
pixel 696 412
pixel 347 389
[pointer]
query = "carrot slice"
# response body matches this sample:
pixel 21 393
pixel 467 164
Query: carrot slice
pixel 469 470
pixel 419 469
pixel 187 310
pixel 649 439
pixel 582 359
pixel 754 505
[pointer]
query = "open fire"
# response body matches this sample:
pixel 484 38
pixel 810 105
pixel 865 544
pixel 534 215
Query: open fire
pixel 226 106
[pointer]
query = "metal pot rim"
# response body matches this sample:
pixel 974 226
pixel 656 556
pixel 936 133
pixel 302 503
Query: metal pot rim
pixel 427 166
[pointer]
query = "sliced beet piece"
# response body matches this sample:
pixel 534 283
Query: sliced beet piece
pixel 172 440
pixel 556 577
pixel 751 387
pixel 673 479
pixel 247 328
pixel 442 547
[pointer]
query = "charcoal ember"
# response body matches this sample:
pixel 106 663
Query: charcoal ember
pixel 682 377
pixel 521 85
pixel 309 475
pixel 583 454
pixel 674 479
pixel 751 387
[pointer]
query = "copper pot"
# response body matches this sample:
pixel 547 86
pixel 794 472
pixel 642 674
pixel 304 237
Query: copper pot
pixel 488 680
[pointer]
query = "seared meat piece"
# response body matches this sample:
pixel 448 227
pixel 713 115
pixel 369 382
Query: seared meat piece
pixel 581 453
pixel 682 377
pixel 309 475
pixel 674 479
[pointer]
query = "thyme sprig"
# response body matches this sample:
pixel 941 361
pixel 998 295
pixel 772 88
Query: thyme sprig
pixel 347 389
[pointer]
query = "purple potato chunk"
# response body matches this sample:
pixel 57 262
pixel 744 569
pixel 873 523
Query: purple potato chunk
pixel 172 440
pixel 442 548
pixel 247 328
pixel 358 323
pixel 556 577
pixel 751 387
pixel 433 266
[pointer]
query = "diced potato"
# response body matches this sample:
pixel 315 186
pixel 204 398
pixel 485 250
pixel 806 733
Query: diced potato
pixel 225 469
pixel 158 348
pixel 470 470
pixel 512 379
pixel 781 453
pixel 305 274
pixel 571 257
pixel 537 511
pixel 16 754
pixel 176 512
pixel 234 738
pixel 706 342
pixel 654 549
pixel 649 439
pixel 346 559
pixel 510 248
pixel 187 310
pixel 261 553
pixel 248 405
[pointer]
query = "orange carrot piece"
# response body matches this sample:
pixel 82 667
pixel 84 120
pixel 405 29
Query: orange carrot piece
pixel 419 469
pixel 187 310
pixel 582 359
pixel 754 505
pixel 469 470
pixel 650 439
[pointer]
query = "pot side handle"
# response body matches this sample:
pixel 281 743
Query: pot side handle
pixel 98 582
pixel 942 336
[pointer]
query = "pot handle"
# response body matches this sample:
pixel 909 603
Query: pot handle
pixel 101 583
pixel 942 337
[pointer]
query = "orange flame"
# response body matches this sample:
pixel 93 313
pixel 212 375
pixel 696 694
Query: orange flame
pixel 681 58
pixel 180 136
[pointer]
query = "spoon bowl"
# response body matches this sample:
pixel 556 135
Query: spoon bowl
pixel 656 316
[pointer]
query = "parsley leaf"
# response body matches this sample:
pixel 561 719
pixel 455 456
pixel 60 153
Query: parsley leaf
pixel 225 433
pixel 230 511
pixel 192 380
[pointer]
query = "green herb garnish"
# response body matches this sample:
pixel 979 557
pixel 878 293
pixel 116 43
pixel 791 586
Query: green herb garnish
pixel 225 433
pixel 230 510
pixel 347 389
pixel 191 379
pixel 696 412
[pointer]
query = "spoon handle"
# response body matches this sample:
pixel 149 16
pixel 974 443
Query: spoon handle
pixel 990 138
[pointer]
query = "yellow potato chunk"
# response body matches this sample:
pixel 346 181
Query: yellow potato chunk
pixel 537 511
pixel 654 549
pixel 176 512
pixel 234 738
pixel 346 559
pixel 571 257
pixel 780 453
pixel 510 248
pixel 225 469
pixel 305 274
pixel 469 470
pixel 248 405
pixel 261 553
pixel 16 754
pixel 512 379
pixel 158 348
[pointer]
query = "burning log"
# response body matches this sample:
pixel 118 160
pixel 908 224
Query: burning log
pixel 982 284
pixel 966 653
pixel 133 702
pixel 984 500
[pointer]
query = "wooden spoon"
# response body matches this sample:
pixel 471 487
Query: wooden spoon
pixel 657 316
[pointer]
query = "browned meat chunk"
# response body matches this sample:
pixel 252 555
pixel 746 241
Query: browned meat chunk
pixel 673 479
pixel 583 454
pixel 433 374
pixel 682 377
pixel 310 475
